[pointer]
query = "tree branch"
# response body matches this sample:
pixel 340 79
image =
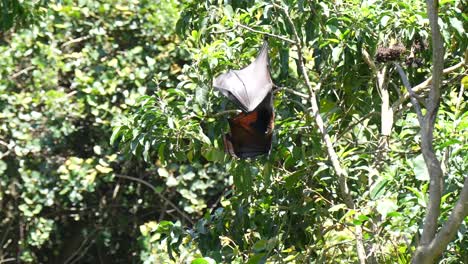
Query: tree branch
pixel 423 253
pixel 223 31
pixel 433 165
pixel 386 115
pixel 3 143
pixel 21 72
pixel 382 85
pixel 449 229
pixel 333 157
pixel 303 95
pixel 73 41
pixel 420 87
pixel 169 202
pixel 414 99
pixel 367 58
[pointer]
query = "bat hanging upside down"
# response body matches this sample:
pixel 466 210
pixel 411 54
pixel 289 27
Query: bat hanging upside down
pixel 251 89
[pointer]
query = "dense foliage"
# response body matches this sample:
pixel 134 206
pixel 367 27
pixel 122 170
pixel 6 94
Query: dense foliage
pixel 110 132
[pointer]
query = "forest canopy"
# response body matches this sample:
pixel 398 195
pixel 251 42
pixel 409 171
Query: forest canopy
pixel 111 132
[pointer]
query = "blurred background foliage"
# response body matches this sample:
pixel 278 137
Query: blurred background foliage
pixel 111 149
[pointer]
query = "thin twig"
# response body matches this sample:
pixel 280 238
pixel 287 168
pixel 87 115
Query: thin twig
pixel 360 120
pixel 82 252
pixel 223 31
pixel 5 235
pixel 73 41
pixel 303 95
pixel 147 184
pixel 76 253
pixel 266 34
pixel 386 111
pixel 70 94
pixel 21 72
pixel 4 143
pixel 325 249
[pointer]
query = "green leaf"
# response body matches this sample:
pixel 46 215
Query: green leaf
pixel 386 206
pixel 260 245
pixel 163 172
pixel 384 21
pixel 213 154
pixel 458 25
pixel 336 53
pixel 378 188
pixel 420 169
pixel 257 258
pixel 205 260
pixel 292 180
pixel 3 166
pixel 164 227
pixel 115 134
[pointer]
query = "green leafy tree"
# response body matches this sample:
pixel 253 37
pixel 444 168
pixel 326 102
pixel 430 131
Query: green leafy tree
pixel 66 194
pixel 111 146
pixel 346 180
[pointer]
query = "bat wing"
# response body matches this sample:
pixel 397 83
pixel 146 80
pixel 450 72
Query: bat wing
pixel 251 133
pixel 249 86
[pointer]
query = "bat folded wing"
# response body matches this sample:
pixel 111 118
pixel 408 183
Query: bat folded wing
pixel 249 86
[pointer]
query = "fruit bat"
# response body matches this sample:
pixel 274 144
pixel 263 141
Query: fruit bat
pixel 251 89
pixel 251 133
pixel 249 86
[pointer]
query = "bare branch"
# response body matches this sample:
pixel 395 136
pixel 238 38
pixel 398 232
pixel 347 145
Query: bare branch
pixel 382 83
pixel 169 202
pixel 5 154
pixel 77 254
pixel 386 118
pixel 266 34
pixel 459 99
pixel 8 147
pixel 386 114
pixel 222 32
pixel 4 143
pixel 427 128
pixel 448 231
pixel 369 61
pixel 7 260
pixel 423 253
pixel 414 99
